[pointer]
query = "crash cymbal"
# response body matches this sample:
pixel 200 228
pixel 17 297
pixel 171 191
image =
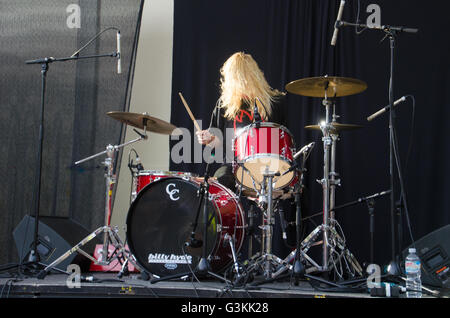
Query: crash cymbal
pixel 336 127
pixel 335 86
pixel 137 120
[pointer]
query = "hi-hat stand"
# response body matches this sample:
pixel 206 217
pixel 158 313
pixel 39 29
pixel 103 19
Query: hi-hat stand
pixel 110 234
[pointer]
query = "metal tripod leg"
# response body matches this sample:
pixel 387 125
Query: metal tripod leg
pixel 236 267
pixel 109 233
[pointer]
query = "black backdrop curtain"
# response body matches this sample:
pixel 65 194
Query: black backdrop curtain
pixel 290 40
pixel 78 96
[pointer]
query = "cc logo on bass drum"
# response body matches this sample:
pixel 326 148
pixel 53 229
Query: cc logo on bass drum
pixel 172 192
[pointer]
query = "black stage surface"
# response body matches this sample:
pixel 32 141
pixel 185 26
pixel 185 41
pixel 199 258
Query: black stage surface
pixel 108 285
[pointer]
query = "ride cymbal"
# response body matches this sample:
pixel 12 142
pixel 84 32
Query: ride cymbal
pixel 331 85
pixel 143 120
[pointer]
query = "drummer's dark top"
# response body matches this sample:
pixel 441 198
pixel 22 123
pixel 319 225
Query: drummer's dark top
pixel 224 174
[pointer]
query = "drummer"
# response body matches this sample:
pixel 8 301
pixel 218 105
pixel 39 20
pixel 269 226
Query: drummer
pixel 242 83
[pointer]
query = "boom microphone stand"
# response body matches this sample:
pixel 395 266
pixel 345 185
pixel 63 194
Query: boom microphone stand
pixel 33 257
pixel 391 33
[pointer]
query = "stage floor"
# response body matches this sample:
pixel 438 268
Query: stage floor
pixel 110 286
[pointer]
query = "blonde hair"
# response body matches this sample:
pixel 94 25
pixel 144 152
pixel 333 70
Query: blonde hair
pixel 242 81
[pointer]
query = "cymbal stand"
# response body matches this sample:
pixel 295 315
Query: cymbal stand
pixel 335 255
pixel 329 143
pixel 333 174
pixel 110 234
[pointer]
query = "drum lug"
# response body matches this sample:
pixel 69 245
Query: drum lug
pixel 219 228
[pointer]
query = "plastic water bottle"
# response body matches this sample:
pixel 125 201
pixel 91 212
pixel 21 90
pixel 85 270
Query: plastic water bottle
pixel 412 269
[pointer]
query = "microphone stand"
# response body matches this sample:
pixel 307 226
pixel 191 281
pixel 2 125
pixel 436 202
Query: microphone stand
pixel 33 257
pixel 298 268
pixel 391 33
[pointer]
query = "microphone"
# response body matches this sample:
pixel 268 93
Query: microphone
pixel 283 222
pixel 305 149
pixel 384 109
pixel 119 66
pixel 139 165
pixel 194 243
pixel 338 19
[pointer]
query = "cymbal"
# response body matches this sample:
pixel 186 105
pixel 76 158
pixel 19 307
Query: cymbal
pixel 336 127
pixel 335 86
pixel 137 120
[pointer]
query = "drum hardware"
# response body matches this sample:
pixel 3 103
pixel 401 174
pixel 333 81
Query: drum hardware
pixel 266 261
pixel 298 268
pixel 370 202
pixel 110 235
pixel 238 270
pixel 349 258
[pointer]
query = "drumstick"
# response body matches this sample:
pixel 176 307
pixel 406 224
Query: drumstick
pixel 189 112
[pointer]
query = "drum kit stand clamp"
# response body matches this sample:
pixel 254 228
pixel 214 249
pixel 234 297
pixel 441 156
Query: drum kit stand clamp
pixel 110 234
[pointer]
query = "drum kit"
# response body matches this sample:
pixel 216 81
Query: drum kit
pixel 165 236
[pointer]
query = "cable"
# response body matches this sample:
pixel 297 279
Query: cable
pixel 400 173
pixel 77 52
pixel 357 20
pixel 411 134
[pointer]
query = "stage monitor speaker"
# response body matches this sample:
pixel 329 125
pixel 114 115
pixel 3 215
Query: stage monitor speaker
pixel 56 236
pixel 434 253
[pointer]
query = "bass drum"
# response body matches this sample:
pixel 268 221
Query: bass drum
pixel 160 222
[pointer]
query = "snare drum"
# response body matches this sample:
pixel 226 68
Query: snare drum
pixel 269 147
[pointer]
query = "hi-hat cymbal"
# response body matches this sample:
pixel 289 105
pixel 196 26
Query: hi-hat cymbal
pixel 140 120
pixel 336 127
pixel 332 85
